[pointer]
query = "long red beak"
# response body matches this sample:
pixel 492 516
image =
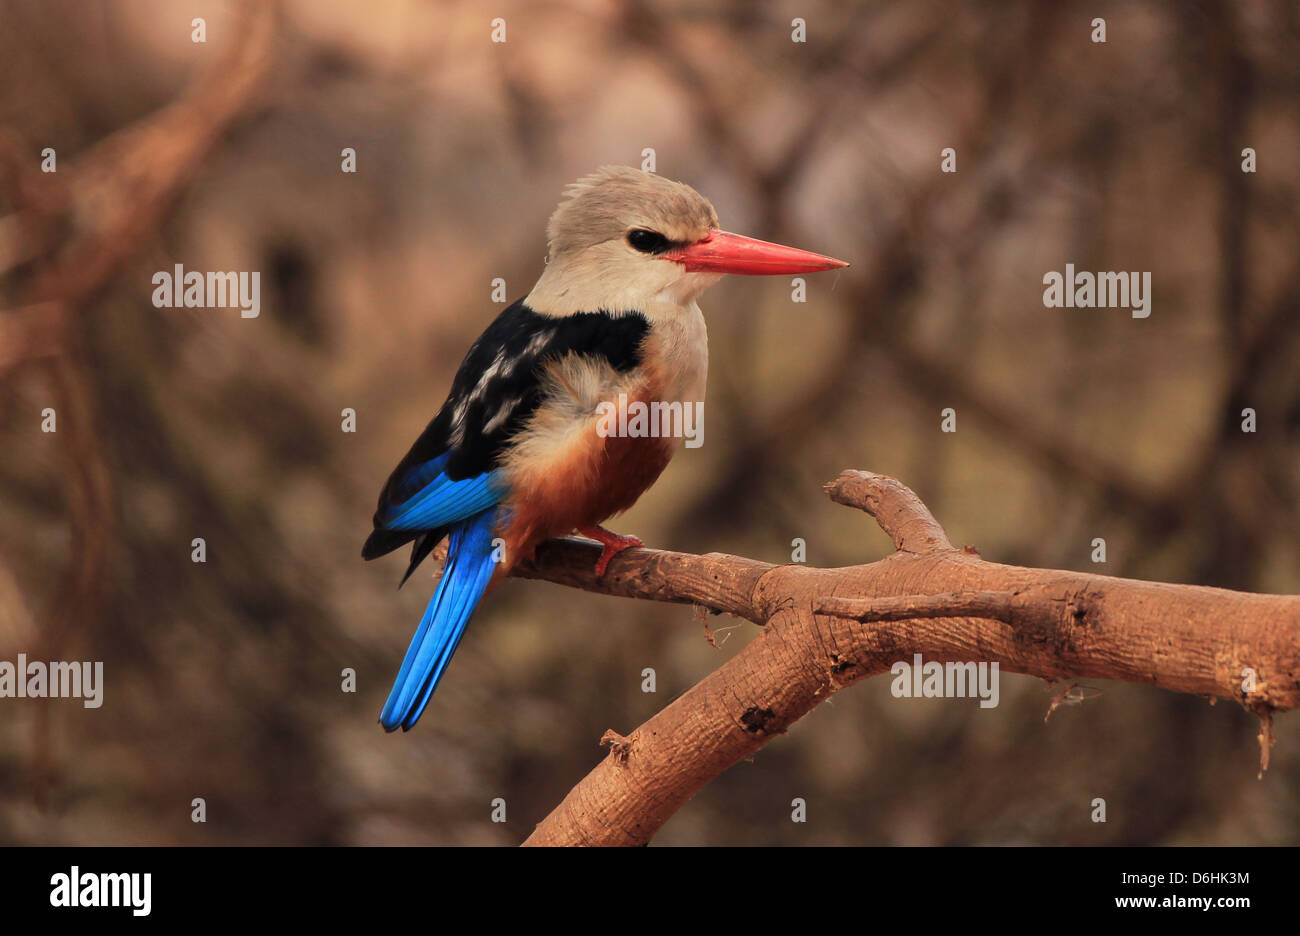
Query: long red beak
pixel 722 252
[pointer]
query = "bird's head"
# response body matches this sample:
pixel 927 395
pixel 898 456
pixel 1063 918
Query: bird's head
pixel 628 240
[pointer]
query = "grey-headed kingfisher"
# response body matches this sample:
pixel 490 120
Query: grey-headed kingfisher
pixel 521 450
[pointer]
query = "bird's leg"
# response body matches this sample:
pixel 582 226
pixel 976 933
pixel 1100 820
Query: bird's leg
pixel 611 545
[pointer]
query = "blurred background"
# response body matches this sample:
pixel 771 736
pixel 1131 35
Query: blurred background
pixel 223 678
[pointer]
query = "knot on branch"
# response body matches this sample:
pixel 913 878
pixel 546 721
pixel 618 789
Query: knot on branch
pixel 757 719
pixel 619 746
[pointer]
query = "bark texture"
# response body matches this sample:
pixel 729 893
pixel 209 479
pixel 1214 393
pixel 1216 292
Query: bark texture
pixel 825 629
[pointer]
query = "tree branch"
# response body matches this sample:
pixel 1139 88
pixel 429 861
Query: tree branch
pixel 825 629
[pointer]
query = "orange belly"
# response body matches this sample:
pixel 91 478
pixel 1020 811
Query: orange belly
pixel 593 479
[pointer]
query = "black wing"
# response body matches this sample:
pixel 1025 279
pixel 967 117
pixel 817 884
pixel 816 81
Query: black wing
pixel 495 391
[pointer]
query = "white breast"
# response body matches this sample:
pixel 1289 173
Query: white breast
pixel 677 347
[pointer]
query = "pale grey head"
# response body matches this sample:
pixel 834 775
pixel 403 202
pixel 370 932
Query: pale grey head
pixel 607 239
pixel 625 240
pixel 614 201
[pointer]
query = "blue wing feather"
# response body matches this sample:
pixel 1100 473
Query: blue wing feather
pixel 438 500
pixel 413 479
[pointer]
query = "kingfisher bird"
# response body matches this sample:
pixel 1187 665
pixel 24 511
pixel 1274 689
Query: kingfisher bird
pixel 521 450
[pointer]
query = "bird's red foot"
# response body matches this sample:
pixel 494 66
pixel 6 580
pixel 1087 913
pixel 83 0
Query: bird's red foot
pixel 612 544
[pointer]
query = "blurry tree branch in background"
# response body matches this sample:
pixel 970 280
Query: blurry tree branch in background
pixel 108 201
pixel 825 629
pixel 72 231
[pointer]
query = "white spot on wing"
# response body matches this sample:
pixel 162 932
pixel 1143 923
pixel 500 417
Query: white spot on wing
pixel 539 341
pixel 502 414
pixel 498 363
pixel 534 347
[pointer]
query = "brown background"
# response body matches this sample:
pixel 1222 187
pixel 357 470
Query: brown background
pixel 223 678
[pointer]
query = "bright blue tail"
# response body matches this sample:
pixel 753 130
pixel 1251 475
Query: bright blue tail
pixel 465 578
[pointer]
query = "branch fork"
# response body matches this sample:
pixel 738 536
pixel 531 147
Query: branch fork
pixel 927 597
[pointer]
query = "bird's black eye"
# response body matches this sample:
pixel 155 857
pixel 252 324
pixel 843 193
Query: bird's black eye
pixel 647 241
